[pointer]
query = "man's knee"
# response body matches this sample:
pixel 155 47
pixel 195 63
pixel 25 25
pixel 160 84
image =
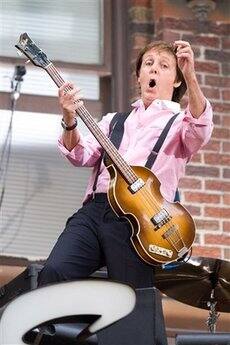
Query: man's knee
pixel 51 273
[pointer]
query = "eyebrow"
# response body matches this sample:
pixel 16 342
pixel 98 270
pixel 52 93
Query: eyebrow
pixel 164 57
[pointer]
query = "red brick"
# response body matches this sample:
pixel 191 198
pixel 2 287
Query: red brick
pixel 206 41
pixel 170 36
pixel 226 226
pixel 226 173
pixel 207 224
pixel 225 121
pixel 220 239
pixel 226 199
pixel 199 78
pixel 206 66
pixel 190 183
pixel 221 107
pixel 217 159
pixel 226 42
pixel 217 28
pixel 217 212
pixel 137 3
pixel 197 158
pixel 221 133
pixel 175 24
pixel 197 239
pixel 217 55
pixel 217 81
pixel 213 145
pixel 197 52
pixel 202 198
pixel 194 25
pixel 217 185
pixel 139 41
pixel 226 95
pixel 202 171
pixel 211 252
pixel 211 92
pixel 226 254
pixel 216 119
pixel 225 68
pixel 140 14
pixel 226 146
pixel 194 210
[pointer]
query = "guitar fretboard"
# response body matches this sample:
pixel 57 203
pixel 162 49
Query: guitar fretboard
pixel 126 171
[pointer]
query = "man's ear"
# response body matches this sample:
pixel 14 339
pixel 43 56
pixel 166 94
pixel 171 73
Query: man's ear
pixel 177 84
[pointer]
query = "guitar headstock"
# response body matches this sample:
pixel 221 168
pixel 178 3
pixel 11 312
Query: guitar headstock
pixel 33 53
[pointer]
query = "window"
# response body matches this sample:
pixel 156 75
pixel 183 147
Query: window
pixel 42 189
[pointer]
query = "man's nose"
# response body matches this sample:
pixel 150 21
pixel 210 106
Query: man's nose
pixel 154 69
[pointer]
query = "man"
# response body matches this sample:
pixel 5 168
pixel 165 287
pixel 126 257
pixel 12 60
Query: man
pixel 94 236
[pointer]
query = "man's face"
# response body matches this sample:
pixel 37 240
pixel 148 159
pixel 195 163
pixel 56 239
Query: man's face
pixel 157 77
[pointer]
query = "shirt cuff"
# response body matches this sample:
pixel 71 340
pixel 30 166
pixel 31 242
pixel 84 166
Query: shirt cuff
pixel 204 119
pixel 75 150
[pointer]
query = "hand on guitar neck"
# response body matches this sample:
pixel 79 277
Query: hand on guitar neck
pixel 70 101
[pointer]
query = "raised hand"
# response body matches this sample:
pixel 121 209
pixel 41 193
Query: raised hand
pixel 185 58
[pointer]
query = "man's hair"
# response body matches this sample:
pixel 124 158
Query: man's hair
pixel 178 92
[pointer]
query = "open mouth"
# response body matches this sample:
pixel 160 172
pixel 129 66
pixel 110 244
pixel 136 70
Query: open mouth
pixel 152 83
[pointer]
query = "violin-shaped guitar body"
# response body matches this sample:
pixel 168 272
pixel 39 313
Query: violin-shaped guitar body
pixel 161 231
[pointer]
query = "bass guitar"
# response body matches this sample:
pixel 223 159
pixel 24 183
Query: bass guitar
pixel 162 232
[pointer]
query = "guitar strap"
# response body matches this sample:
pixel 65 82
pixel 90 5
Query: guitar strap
pixel 116 131
pixel 115 136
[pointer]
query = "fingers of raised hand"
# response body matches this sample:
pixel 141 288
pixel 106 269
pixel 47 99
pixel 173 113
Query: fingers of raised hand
pixel 183 49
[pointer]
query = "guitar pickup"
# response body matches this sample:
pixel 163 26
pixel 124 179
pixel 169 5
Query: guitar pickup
pixel 160 218
pixel 136 186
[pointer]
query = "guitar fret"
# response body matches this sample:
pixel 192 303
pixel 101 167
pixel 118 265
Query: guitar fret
pixel 104 141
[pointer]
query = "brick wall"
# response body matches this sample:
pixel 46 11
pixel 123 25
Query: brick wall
pixel 205 190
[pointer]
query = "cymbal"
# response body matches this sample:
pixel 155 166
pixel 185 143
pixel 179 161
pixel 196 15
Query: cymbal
pixel 195 281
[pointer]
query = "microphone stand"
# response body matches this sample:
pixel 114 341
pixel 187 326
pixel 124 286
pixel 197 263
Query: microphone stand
pixel 16 81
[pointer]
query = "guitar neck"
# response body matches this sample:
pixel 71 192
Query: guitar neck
pixel 126 171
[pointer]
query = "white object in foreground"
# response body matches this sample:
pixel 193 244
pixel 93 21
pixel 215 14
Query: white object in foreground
pixel 111 300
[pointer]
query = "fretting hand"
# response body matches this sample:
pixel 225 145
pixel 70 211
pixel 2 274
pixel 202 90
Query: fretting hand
pixel 70 101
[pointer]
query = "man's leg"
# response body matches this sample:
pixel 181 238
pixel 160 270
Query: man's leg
pixel 77 253
pixel 123 263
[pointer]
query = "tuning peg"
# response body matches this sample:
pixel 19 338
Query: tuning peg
pixel 27 61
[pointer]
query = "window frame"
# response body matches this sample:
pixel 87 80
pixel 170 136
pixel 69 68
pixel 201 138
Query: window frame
pixel 49 104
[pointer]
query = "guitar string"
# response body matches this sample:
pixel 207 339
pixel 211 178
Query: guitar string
pixel 87 116
pixel 121 162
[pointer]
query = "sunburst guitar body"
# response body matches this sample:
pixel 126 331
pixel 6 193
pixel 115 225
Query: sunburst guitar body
pixel 162 231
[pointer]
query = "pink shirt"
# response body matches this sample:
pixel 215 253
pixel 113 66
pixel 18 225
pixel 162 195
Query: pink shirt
pixel 141 131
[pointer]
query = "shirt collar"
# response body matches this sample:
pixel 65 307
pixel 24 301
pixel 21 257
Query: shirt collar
pixel 159 104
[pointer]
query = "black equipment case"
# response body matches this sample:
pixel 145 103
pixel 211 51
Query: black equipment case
pixel 25 281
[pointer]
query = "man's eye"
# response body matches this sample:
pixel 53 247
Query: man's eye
pixel 148 63
pixel 164 66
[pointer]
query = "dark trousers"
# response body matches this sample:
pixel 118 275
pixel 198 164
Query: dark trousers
pixel 95 237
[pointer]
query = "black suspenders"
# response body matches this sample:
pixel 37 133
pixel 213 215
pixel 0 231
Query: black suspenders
pixel 116 131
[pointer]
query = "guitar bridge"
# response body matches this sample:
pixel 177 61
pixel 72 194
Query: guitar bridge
pixel 136 186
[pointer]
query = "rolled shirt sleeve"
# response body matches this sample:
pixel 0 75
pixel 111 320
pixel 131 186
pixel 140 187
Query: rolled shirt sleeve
pixel 196 132
pixel 87 152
